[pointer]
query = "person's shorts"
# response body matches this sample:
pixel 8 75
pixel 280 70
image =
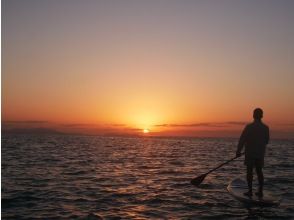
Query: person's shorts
pixel 254 162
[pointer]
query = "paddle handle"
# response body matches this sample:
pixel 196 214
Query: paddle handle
pixel 222 164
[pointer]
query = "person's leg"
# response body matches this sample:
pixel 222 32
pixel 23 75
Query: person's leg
pixel 249 179
pixel 260 179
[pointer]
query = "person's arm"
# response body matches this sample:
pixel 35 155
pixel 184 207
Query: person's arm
pixel 242 141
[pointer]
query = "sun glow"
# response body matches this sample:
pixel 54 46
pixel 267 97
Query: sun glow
pixel 145 131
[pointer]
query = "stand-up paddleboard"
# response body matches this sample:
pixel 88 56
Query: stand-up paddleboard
pixel 238 187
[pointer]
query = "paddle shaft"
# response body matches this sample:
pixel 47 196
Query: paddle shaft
pixel 222 165
pixel 198 180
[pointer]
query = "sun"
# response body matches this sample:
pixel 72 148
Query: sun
pixel 145 131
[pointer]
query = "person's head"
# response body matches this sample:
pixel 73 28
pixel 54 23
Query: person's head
pixel 257 114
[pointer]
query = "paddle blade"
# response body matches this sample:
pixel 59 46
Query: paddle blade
pixel 198 180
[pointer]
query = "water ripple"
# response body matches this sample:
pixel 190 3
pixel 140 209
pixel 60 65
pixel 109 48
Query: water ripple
pixel 80 177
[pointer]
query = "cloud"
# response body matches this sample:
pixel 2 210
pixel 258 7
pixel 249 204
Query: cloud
pixel 118 125
pixel 82 125
pixel 287 124
pixel 192 125
pixel 133 129
pixel 182 125
pixel 78 125
pixel 26 122
pixel 162 125
pixel 204 124
pixel 236 122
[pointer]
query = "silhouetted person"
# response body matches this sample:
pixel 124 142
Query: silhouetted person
pixel 255 137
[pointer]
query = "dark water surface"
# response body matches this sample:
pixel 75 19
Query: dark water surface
pixel 69 177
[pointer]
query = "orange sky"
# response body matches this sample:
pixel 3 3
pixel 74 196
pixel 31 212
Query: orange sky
pixel 191 67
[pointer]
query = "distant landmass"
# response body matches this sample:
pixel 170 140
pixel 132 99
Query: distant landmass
pixel 31 131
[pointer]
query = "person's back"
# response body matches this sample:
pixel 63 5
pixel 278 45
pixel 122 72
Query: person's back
pixel 254 137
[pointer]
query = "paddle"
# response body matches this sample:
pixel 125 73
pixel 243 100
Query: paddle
pixel 198 180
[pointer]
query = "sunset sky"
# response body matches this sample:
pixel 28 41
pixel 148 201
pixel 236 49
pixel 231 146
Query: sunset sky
pixel 195 68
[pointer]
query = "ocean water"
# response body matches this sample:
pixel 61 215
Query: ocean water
pixel 85 177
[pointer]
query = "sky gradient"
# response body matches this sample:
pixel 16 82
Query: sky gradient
pixel 173 67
